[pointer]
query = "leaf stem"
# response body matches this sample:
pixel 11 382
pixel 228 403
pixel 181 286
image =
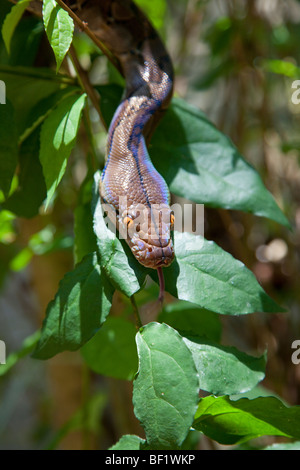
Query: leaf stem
pixel 138 322
pixel 40 74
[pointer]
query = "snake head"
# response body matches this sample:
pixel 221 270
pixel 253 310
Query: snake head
pixel 148 233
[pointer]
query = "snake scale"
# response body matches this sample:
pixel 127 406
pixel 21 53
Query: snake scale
pixel 130 185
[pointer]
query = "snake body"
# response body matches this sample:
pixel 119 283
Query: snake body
pixel 130 184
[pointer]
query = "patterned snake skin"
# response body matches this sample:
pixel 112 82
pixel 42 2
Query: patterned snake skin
pixel 136 193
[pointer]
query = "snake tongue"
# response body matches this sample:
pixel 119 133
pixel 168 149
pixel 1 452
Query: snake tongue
pixel 161 284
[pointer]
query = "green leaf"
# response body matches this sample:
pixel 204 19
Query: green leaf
pixel 58 136
pixel 280 67
pixel 200 163
pixel 43 108
pixel 112 351
pixel 21 260
pixel 7 227
pixel 8 146
pixel 84 237
pixel 80 307
pixel 188 317
pixel 11 21
pixel 25 36
pixel 224 370
pixel 165 392
pixel 25 202
pixel 116 259
pixel 59 29
pixel 34 93
pixel 210 277
pixel 128 442
pixel 28 88
pixel 258 391
pixel 231 422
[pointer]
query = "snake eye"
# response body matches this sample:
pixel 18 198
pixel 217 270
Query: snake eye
pixel 172 219
pixel 128 221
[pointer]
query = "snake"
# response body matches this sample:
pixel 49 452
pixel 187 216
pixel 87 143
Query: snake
pixel 135 192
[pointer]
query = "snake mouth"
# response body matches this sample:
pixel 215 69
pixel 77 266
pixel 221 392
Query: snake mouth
pixel 164 262
pixel 154 264
pixel 152 256
pixel 148 233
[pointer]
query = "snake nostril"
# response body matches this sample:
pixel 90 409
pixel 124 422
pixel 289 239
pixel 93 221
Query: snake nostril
pixel 150 249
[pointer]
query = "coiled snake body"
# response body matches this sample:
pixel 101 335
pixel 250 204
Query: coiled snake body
pixel 130 184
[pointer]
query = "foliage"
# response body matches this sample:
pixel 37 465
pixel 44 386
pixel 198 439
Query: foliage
pixel 47 124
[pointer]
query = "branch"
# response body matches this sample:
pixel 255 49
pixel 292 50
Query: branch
pixel 86 84
pixel 84 27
